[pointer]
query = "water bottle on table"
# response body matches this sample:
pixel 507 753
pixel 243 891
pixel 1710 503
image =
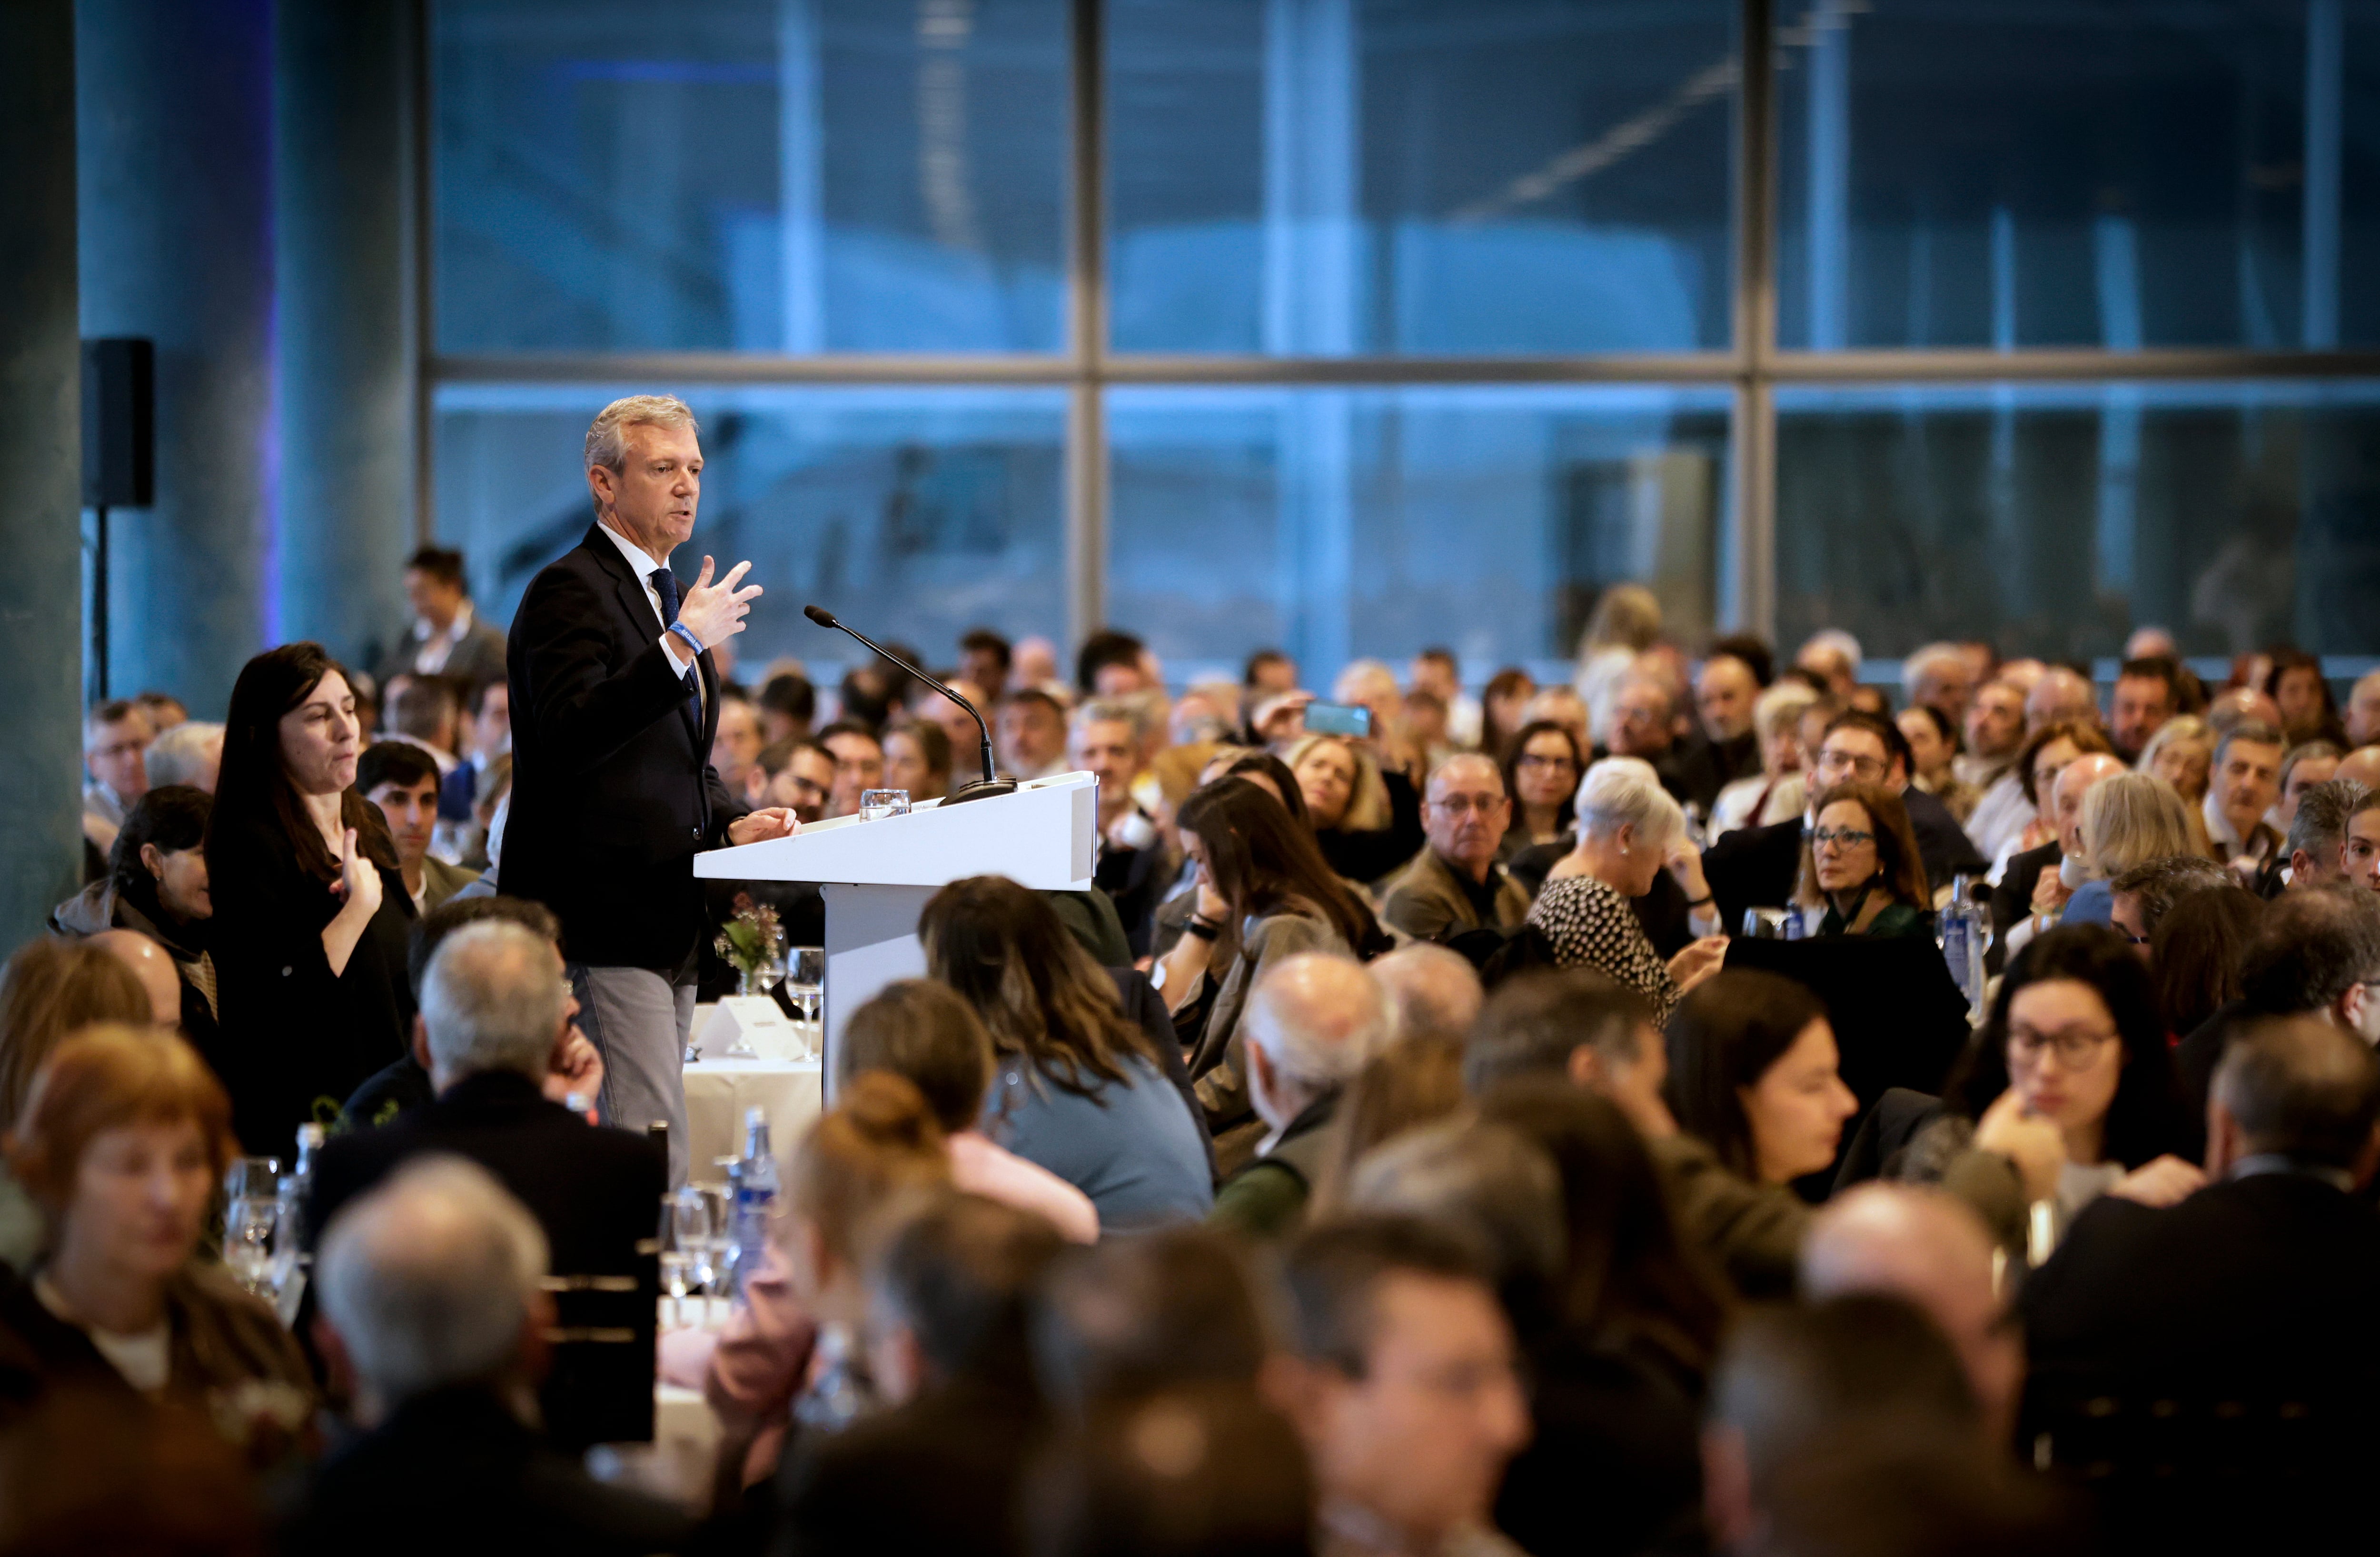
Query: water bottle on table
pixel 756 1192
pixel 1963 934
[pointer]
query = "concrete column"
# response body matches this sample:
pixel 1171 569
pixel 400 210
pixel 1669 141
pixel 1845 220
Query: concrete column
pixel 173 115
pixel 40 468
pixel 344 323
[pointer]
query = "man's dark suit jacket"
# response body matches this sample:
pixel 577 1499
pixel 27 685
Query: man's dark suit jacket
pixel 597 1193
pixel 945 1473
pixel 613 788
pixel 1755 867
pixel 455 1474
pixel 2012 899
pixel 2240 1320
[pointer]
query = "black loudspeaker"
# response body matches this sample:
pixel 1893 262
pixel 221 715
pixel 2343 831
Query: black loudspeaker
pixel 120 422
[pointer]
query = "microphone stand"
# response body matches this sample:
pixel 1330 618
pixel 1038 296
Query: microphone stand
pixel 985 789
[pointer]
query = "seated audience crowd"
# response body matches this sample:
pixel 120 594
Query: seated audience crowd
pixel 1557 1119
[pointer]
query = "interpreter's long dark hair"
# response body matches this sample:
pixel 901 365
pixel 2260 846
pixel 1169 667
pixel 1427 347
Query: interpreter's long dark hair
pixel 1629 1276
pixel 1004 948
pixel 1723 1037
pixel 2144 1118
pixel 1264 863
pixel 253 791
pixel 2196 951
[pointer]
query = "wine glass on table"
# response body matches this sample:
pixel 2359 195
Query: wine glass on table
pixel 806 988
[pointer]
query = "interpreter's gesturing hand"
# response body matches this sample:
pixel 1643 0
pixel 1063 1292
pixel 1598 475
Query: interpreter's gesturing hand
pixel 714 613
pixel 758 827
pixel 360 882
pixel 2034 1145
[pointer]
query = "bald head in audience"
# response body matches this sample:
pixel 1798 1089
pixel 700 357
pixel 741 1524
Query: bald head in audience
pixel 2060 694
pixel 152 966
pixel 1311 1023
pixel 1430 991
pixel 1927 1247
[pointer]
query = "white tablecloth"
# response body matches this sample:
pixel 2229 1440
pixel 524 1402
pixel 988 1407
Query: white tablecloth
pixel 717 1093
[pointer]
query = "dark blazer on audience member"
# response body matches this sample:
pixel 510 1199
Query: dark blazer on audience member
pixel 455 1473
pixel 2253 1296
pixel 476 658
pixel 944 1473
pixel 612 789
pixel 2012 898
pixel 597 1193
pixel 1756 867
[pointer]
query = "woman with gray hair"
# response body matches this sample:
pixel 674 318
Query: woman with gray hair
pixel 1628 829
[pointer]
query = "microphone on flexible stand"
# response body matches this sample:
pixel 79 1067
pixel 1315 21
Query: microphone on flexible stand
pixel 984 788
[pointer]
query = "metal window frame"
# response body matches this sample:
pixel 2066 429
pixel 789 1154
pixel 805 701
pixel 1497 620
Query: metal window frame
pixel 1753 367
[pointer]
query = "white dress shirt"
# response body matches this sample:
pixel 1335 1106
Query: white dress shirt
pixel 430 658
pixel 2001 813
pixel 642 564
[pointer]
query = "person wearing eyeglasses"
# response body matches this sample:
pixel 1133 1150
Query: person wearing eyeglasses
pixel 1541 775
pixel 1757 867
pixel 1860 865
pixel 2070 1083
pixel 1454 885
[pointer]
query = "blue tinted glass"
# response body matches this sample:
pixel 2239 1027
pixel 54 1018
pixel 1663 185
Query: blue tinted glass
pixel 2052 519
pixel 765 176
pixel 1340 522
pixel 1330 177
pixel 2120 175
pixel 914 514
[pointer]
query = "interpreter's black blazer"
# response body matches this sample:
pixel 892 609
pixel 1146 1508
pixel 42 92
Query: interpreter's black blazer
pixel 595 1190
pixel 613 788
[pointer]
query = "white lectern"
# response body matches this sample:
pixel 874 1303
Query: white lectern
pixel 877 875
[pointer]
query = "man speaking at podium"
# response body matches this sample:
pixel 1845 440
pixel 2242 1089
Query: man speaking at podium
pixel 615 702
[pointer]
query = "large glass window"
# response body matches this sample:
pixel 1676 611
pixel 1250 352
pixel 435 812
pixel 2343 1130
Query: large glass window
pixel 916 513
pixel 2052 519
pixel 767 176
pixel 1318 177
pixel 2123 176
pixel 1340 522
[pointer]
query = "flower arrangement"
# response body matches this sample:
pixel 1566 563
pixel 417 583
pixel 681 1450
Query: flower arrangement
pixel 753 943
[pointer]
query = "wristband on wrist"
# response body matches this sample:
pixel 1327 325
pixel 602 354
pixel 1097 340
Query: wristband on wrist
pixel 1695 903
pixel 686 634
pixel 1203 929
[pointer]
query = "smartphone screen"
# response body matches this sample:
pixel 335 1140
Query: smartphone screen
pixel 1338 718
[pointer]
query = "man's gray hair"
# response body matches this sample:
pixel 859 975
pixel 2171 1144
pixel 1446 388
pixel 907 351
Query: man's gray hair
pixel 1432 991
pixel 491 1001
pixel 430 1278
pixel 1624 791
pixel 179 756
pixel 1488 1179
pixel 1317 1017
pixel 2304 1088
pixel 2161 883
pixel 1129 712
pixel 1455 760
pixel 1919 669
pixel 2255 732
pixel 607 441
pixel 2323 810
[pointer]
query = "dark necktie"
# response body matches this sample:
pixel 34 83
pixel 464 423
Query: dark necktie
pixel 666 586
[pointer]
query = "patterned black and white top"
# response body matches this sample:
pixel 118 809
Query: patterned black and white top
pixel 1590 925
